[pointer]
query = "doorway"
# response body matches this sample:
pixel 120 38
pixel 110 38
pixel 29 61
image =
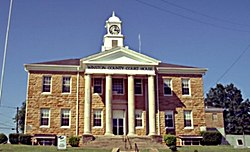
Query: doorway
pixel 118 122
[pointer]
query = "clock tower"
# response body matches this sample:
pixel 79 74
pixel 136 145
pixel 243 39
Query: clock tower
pixel 114 37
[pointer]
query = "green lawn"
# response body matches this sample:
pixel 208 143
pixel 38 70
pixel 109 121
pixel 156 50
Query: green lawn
pixel 26 148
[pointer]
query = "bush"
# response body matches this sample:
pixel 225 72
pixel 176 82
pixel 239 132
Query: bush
pixel 74 141
pixel 25 139
pixel 14 138
pixel 211 138
pixel 170 140
pixel 3 138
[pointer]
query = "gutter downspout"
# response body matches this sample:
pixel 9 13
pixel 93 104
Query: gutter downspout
pixel 77 101
pixel 158 106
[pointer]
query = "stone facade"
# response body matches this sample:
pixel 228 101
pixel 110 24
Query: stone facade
pixel 214 118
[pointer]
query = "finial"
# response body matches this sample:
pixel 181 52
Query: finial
pixel 113 14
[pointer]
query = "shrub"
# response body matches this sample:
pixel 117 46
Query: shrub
pixel 3 138
pixel 14 138
pixel 211 138
pixel 170 140
pixel 25 139
pixel 74 141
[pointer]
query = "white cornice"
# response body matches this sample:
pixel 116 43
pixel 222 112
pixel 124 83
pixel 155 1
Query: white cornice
pixel 45 67
pixel 169 70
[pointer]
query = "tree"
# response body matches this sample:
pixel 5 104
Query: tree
pixel 236 110
pixel 20 116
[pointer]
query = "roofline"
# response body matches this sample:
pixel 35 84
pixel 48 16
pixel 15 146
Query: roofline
pixel 46 67
pixel 169 70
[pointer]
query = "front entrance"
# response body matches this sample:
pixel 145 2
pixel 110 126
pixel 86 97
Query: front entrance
pixel 118 122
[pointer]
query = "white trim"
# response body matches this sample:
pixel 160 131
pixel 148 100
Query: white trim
pixel 189 87
pixel 191 115
pixel 142 118
pixel 171 86
pixel 27 103
pixel 172 113
pixel 169 70
pixel 61 118
pixel 47 67
pixel 96 127
pixel 44 126
pixel 77 103
pixel 70 84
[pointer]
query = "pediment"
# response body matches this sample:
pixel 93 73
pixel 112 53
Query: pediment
pixel 120 55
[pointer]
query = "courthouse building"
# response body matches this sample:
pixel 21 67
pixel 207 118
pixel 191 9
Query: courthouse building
pixel 116 91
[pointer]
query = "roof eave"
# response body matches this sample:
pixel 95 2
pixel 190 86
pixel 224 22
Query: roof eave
pixel 169 70
pixel 45 67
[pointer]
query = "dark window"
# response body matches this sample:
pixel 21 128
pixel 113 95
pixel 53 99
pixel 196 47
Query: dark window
pixel 167 87
pixel 46 83
pixel 44 118
pixel 138 118
pixel 114 43
pixel 98 85
pixel 66 85
pixel 188 119
pixel 138 86
pixel 117 86
pixel 169 122
pixel 65 114
pixel 185 87
pixel 97 118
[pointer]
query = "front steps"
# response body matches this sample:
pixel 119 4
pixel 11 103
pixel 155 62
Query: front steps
pixel 124 143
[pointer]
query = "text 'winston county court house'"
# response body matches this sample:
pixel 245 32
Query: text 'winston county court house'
pixel 116 91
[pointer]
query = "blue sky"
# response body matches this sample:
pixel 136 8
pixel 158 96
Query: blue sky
pixel 209 34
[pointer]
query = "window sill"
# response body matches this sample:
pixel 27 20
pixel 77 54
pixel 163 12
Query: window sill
pixel 97 94
pixel 169 128
pixel 141 127
pixel 65 127
pixel 44 126
pixel 97 127
pixel 66 93
pixel 186 96
pixel 188 128
pixel 46 93
pixel 168 95
pixel 138 94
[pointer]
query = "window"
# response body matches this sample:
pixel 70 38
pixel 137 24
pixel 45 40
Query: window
pixel 138 86
pixel 66 85
pixel 185 87
pixel 44 117
pixel 46 83
pixel 98 85
pixel 169 119
pixel 117 86
pixel 138 118
pixel 239 142
pixel 188 119
pixel 114 43
pixel 65 116
pixel 214 116
pixel 167 86
pixel 97 118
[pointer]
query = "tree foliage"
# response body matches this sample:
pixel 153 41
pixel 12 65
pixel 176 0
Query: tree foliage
pixel 236 110
pixel 21 116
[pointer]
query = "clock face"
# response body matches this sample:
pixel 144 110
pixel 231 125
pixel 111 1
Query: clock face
pixel 114 29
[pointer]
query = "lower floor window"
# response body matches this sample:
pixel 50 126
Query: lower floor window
pixel 97 118
pixel 138 118
pixel 44 117
pixel 65 115
pixel 188 118
pixel 169 121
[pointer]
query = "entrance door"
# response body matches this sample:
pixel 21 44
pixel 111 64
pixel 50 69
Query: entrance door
pixel 118 122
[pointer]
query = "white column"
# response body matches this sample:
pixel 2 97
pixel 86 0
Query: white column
pixel 108 101
pixel 151 105
pixel 131 106
pixel 87 104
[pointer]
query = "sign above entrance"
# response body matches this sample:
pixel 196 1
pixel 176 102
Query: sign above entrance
pixel 120 69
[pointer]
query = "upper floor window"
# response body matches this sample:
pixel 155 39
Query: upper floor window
pixel 97 121
pixel 65 117
pixel 114 43
pixel 169 119
pixel 138 86
pixel 117 86
pixel 46 83
pixel 44 117
pixel 188 122
pixel 167 86
pixel 66 84
pixel 185 87
pixel 98 85
pixel 138 118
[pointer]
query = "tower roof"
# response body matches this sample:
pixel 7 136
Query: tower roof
pixel 114 18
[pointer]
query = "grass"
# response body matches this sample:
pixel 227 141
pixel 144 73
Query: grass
pixel 26 148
